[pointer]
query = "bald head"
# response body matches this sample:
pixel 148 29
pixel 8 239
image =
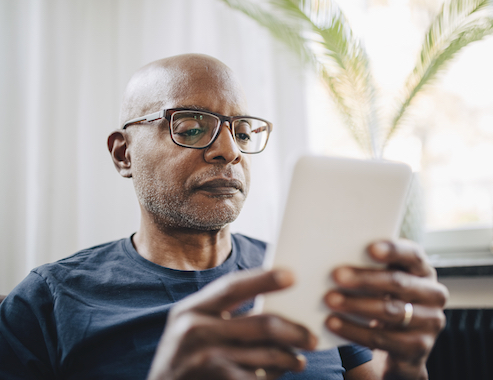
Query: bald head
pixel 167 82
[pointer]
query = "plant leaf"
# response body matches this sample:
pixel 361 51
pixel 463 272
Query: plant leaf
pixel 284 30
pixel 317 31
pixel 459 23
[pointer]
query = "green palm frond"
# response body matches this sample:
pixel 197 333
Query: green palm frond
pixel 319 33
pixel 289 31
pixel 343 65
pixel 459 23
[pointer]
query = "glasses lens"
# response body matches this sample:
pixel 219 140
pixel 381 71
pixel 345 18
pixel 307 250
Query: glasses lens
pixel 251 134
pixel 194 129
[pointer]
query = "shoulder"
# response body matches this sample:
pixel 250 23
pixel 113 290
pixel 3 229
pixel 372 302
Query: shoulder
pixel 40 289
pixel 31 291
pixel 88 258
pixel 46 278
pixel 250 251
pixel 101 251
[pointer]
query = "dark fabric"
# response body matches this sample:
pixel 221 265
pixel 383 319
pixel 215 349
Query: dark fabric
pixel 100 313
pixel 354 355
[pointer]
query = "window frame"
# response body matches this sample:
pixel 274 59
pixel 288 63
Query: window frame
pixel 465 251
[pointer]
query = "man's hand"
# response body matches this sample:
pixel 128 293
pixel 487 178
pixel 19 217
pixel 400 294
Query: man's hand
pixel 201 341
pixel 406 332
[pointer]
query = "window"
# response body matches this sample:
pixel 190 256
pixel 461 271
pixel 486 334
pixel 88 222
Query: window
pixel 448 137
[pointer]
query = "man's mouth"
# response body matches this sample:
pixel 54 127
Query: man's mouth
pixel 221 186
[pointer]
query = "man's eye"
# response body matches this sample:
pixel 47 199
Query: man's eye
pixel 243 137
pixel 187 127
pixel 192 132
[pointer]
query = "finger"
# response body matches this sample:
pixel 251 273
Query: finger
pixel 271 359
pixel 231 290
pixel 404 254
pixel 270 329
pixel 208 365
pixel 404 345
pixel 259 329
pixel 268 374
pixel 387 311
pixel 233 363
pixel 398 284
pixel 271 374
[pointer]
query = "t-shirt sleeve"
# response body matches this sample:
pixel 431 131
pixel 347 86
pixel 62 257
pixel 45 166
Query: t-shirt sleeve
pixel 27 332
pixel 354 355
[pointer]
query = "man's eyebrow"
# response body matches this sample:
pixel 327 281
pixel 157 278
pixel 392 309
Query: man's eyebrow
pixel 199 108
pixel 193 107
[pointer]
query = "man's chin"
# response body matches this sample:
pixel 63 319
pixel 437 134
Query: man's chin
pixel 205 228
pixel 196 213
pixel 199 220
pixel 198 225
pixel 210 221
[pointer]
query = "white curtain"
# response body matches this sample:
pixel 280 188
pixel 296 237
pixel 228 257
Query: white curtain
pixel 63 68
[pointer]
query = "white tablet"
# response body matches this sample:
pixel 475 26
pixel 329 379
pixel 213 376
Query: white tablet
pixel 335 208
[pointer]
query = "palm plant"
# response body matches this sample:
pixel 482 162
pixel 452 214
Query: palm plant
pixel 318 32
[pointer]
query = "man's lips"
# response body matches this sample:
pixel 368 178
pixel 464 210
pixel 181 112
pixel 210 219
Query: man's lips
pixel 221 186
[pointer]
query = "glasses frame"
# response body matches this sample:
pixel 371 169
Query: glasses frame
pixel 168 114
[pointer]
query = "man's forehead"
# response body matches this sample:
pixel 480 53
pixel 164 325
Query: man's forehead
pixel 180 80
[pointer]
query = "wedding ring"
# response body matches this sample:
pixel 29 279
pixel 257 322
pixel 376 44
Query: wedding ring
pixel 261 374
pixel 408 314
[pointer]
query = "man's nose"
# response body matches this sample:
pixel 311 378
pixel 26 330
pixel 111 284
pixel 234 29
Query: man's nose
pixel 224 147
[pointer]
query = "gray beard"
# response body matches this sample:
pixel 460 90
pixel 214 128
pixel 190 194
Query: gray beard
pixel 172 210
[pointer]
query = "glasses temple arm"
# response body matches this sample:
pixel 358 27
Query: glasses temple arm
pixel 150 117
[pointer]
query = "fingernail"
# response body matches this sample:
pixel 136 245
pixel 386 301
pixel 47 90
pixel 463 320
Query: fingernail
pixel 283 277
pixel 344 275
pixel 381 250
pixel 302 359
pixel 335 299
pixel 335 323
pixel 226 315
pixel 373 323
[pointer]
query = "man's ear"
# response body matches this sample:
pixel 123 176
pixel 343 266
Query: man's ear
pixel 118 147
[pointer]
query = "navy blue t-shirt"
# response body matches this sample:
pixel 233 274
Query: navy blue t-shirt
pixel 99 314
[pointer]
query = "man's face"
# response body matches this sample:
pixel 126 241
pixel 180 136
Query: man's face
pixel 201 189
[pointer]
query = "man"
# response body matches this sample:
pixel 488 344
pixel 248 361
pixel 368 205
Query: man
pixel 100 313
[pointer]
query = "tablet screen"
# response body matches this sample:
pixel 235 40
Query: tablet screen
pixel 335 208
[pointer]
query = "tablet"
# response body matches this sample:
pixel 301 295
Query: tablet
pixel 335 208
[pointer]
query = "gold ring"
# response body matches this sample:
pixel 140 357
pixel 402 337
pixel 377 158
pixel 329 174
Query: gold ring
pixel 408 314
pixel 261 374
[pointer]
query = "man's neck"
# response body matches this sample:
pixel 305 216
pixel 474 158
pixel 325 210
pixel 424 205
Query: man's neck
pixel 183 249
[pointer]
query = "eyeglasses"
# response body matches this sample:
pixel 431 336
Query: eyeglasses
pixel 198 129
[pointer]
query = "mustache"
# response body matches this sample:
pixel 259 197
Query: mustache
pixel 220 176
